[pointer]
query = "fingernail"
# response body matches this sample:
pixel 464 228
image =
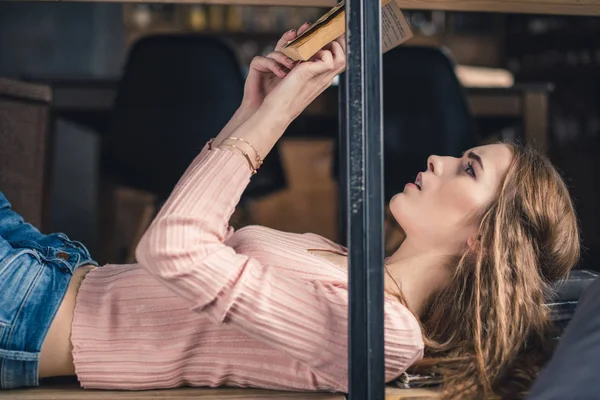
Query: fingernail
pixel 292 31
pixel 290 61
pixel 309 23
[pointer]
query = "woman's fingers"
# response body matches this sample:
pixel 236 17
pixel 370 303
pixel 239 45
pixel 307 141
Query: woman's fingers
pixel 339 56
pixel 337 62
pixel 325 56
pixel 282 59
pixel 342 41
pixel 303 28
pixel 291 35
pixel 266 64
pixel 319 64
pixel 325 65
pixel 285 38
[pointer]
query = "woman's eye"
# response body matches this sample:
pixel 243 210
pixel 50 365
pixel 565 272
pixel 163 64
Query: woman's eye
pixel 469 170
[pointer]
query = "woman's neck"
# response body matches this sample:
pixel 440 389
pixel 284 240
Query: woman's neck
pixel 419 271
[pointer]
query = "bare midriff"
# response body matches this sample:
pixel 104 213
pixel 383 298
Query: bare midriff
pixel 56 358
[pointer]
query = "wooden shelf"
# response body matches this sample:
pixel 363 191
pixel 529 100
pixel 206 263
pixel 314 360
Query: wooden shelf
pixel 180 393
pixel 565 7
pixel 70 390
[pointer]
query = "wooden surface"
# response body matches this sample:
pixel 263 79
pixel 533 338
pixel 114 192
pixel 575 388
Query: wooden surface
pixel 308 172
pixel 183 393
pixel 70 390
pixel 393 393
pixel 572 7
pixel 25 90
pixel 24 148
pixel 536 120
pixel 528 101
pixel 99 96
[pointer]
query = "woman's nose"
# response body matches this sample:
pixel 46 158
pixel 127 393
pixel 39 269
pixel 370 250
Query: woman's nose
pixel 434 164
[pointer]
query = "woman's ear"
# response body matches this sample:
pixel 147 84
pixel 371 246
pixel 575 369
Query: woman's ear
pixel 473 241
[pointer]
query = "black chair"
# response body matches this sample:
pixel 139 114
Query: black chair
pixel 177 92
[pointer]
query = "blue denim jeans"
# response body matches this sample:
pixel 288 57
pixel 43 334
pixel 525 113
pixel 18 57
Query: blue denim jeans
pixel 35 271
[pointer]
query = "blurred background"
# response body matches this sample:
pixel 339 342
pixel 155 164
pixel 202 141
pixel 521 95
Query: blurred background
pixel 108 102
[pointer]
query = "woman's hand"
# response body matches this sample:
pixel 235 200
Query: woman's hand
pixel 307 80
pixel 265 73
pixel 285 101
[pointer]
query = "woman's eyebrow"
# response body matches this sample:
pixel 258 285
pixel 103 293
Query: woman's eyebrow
pixel 475 157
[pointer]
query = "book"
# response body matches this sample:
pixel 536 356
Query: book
pixel 394 31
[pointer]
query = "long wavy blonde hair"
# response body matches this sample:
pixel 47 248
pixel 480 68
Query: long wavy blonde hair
pixel 488 331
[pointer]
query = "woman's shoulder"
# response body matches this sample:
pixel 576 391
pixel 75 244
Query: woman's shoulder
pixel 403 333
pixel 401 317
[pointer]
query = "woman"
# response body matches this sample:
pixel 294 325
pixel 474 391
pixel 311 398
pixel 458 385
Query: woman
pixel 206 306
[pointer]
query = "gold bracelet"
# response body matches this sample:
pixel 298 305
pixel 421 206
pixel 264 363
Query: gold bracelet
pixel 258 160
pixel 252 169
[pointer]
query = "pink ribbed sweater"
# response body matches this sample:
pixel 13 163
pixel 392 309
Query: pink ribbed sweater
pixel 207 306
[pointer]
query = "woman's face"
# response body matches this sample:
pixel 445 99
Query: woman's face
pixel 438 208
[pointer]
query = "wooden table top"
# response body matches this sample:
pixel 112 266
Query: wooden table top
pixel 568 7
pixel 70 390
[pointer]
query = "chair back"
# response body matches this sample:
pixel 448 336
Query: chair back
pixel 177 92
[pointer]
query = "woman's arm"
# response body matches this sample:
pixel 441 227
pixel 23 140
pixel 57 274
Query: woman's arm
pixel 264 74
pixel 308 320
pixel 185 250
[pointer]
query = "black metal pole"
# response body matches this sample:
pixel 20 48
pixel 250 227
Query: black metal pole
pixel 342 162
pixel 365 199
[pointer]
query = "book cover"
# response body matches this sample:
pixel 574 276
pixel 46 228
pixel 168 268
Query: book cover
pixel 394 31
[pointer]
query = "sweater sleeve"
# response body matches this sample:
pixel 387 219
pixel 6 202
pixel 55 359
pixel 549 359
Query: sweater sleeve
pixel 184 249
